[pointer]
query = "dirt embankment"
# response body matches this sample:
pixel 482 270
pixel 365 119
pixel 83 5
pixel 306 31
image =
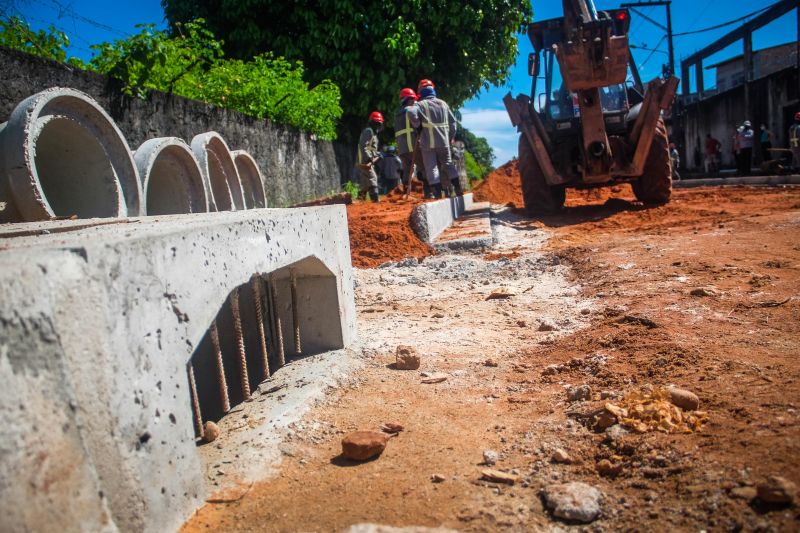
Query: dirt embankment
pixel 501 186
pixel 381 232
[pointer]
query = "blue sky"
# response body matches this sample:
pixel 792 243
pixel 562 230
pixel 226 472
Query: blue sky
pixel 89 22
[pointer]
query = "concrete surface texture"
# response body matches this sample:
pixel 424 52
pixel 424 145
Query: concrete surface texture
pixel 430 219
pixel 62 155
pixel 171 177
pixel 99 326
pixel 295 165
pixel 219 171
pixel 473 229
pixel 792 179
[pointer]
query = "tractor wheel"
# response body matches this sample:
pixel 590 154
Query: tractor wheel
pixel 654 186
pixel 540 198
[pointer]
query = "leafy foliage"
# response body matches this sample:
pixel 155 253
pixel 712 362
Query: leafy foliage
pixel 474 171
pixel 480 150
pixel 373 48
pixel 193 64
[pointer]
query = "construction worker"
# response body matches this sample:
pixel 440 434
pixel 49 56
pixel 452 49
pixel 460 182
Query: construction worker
pixel 745 138
pixel 392 169
pixel 406 137
pixel 438 128
pixel 712 149
pixel 794 141
pixel 674 161
pixel 368 156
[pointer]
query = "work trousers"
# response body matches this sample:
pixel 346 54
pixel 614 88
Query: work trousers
pixel 796 156
pixel 432 159
pixel 745 161
pixel 408 162
pixel 367 181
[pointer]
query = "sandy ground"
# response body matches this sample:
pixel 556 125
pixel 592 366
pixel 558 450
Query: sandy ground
pixel 613 282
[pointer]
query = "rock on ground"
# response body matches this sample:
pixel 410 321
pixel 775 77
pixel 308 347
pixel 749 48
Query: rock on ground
pixel 573 501
pixel 583 392
pixel 407 358
pixel 363 445
pixel 489 457
pixel 210 431
pixel 686 400
pixel 777 489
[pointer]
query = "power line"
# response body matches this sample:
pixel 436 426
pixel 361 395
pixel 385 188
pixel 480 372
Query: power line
pixel 754 13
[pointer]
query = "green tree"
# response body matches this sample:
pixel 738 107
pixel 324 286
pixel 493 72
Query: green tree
pixel 373 48
pixel 479 148
pixel 50 44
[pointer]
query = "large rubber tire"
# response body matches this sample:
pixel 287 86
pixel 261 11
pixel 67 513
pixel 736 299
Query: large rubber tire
pixel 655 185
pixel 540 198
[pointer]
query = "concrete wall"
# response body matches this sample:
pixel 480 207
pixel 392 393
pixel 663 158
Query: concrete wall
pixel 97 325
pixel 774 100
pixel 295 167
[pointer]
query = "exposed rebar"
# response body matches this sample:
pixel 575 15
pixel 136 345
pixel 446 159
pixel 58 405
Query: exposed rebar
pixel 295 320
pixel 237 326
pixel 256 284
pixel 223 383
pixel 276 317
pixel 198 418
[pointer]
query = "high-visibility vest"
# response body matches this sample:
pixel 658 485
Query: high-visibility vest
pixel 407 131
pixel 431 126
pixel 794 136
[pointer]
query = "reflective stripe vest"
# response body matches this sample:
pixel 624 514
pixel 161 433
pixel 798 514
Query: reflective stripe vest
pixel 794 136
pixel 403 131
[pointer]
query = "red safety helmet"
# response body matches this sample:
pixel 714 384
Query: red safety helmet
pixel 424 83
pixel 408 93
pixel 376 116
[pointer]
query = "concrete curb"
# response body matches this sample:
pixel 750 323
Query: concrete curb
pixel 63 155
pixel 430 219
pixel 474 220
pixel 171 177
pixel 792 179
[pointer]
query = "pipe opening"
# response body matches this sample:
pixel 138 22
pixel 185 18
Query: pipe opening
pixel 173 181
pixel 74 170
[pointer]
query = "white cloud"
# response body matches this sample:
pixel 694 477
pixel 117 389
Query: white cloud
pixel 495 126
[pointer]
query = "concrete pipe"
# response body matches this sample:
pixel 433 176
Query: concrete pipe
pixel 219 171
pixel 62 155
pixel 251 179
pixel 171 177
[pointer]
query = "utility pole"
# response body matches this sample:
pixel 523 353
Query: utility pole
pixel 667 28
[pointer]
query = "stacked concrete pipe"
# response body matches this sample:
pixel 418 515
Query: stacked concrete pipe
pixel 252 182
pixel 219 171
pixel 171 177
pixel 62 155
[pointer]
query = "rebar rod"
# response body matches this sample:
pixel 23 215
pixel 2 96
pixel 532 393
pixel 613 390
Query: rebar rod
pixel 237 326
pixel 256 284
pixel 198 418
pixel 295 320
pixel 223 383
pixel 277 319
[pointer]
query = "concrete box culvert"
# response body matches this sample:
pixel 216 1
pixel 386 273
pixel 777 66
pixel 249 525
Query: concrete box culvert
pixel 219 171
pixel 171 177
pixel 105 318
pixel 63 155
pixel 252 181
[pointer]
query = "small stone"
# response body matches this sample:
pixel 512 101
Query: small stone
pixel 616 432
pixel 549 370
pixel 407 358
pixel 438 315
pixel 561 456
pixel 607 394
pixel 436 377
pixel 585 311
pixel 363 445
pixel 546 325
pixel 777 489
pixel 490 457
pixel 686 400
pixel 497 476
pixel 210 431
pixel 604 420
pixel 490 362
pixel 744 493
pixel 522 323
pixel 702 291
pixel 500 294
pixel 573 501
pixel 437 478
pixel 580 393
pixel 392 428
pixel 607 468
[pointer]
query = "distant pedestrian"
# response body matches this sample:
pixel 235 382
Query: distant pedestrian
pixel 745 138
pixel 368 156
pixel 765 143
pixel 438 128
pixel 392 168
pixel 712 148
pixel 794 141
pixel 735 146
pixel 674 161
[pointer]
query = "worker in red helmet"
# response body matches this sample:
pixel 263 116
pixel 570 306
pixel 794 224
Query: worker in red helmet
pixel 406 137
pixel 422 84
pixel 794 141
pixel 368 156
pixel 438 125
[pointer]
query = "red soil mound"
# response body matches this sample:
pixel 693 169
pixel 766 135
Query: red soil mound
pixel 381 232
pixel 501 186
